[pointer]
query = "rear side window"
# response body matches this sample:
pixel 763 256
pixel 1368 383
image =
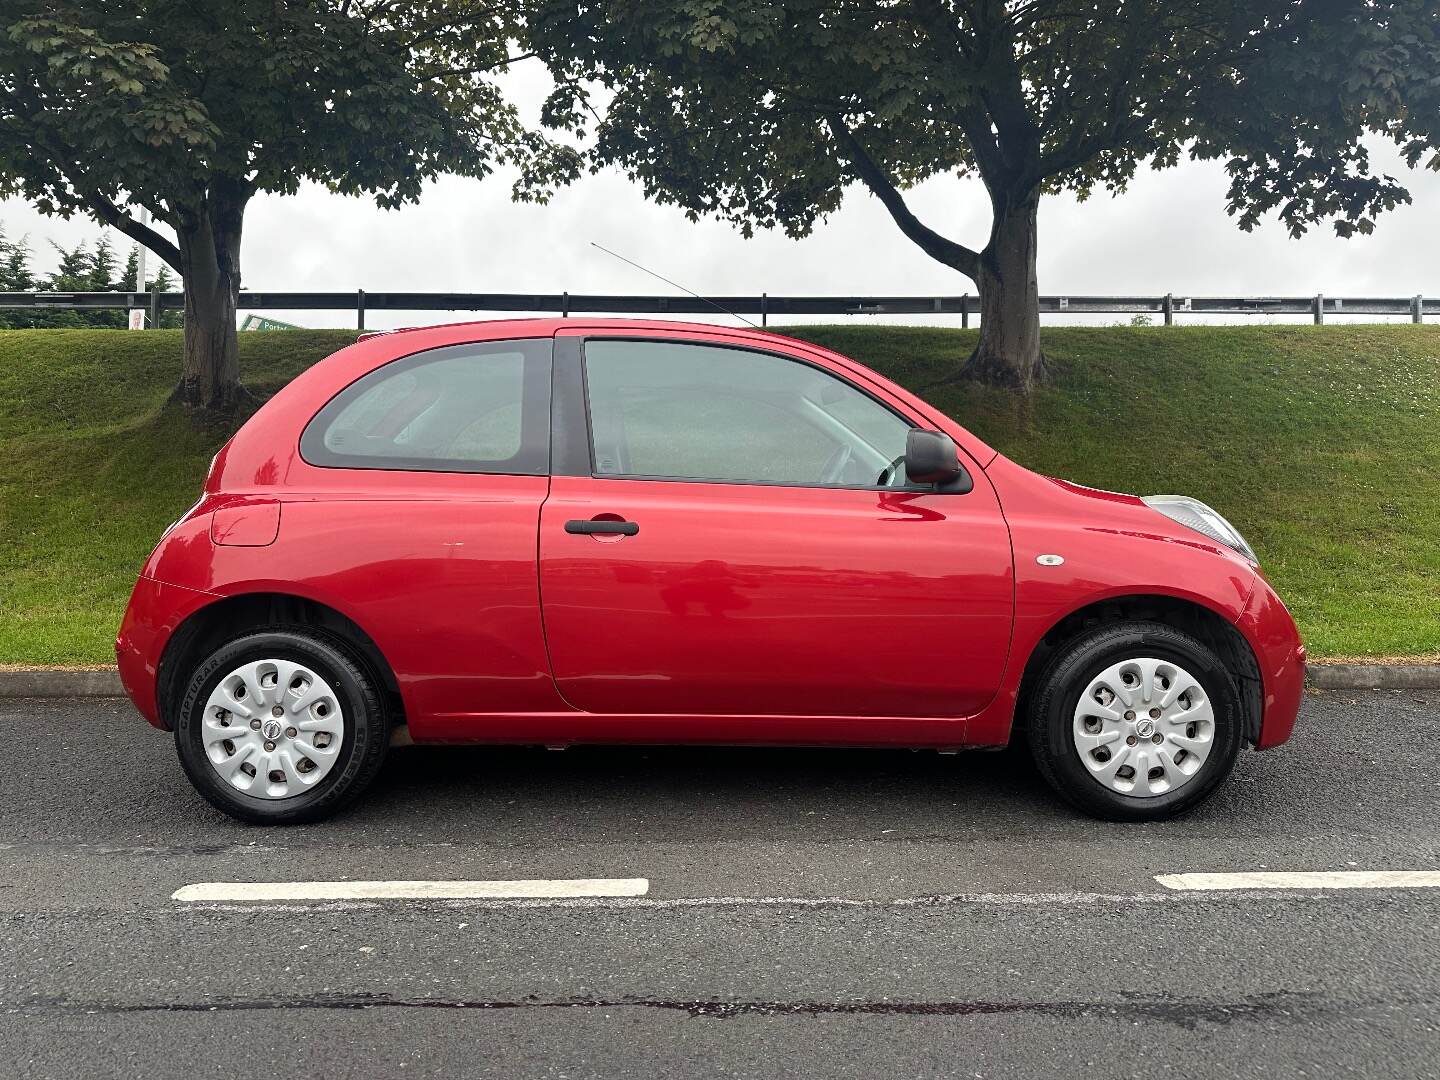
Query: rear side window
pixel 481 408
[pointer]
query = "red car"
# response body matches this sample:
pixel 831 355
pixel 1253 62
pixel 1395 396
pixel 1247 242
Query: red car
pixel 571 531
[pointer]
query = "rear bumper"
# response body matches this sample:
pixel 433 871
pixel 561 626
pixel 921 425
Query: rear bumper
pixel 1281 656
pixel 155 610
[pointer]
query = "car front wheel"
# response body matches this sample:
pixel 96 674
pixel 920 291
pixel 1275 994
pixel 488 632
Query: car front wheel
pixel 1135 722
pixel 281 726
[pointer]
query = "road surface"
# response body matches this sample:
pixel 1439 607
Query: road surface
pixel 804 913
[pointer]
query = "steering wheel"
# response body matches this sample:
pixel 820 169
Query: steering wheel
pixel 891 473
pixel 833 471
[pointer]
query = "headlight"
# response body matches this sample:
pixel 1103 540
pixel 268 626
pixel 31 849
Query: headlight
pixel 1194 514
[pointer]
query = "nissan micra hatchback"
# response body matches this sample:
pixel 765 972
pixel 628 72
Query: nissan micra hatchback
pixel 570 531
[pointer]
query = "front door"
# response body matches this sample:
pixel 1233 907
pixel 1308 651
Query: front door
pixel 744 542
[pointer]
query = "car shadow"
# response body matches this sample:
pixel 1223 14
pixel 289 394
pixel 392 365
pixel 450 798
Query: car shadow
pixel 1306 788
pixel 610 794
pixel 678 793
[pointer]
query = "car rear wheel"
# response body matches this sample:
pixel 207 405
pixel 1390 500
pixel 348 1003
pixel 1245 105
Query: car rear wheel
pixel 1135 722
pixel 280 727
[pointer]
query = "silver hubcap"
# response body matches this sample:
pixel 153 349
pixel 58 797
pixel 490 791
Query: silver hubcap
pixel 1144 727
pixel 273 728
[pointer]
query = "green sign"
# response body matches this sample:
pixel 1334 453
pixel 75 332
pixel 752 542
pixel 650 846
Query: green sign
pixel 259 322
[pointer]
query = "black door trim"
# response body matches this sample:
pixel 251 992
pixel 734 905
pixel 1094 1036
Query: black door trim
pixel 569 418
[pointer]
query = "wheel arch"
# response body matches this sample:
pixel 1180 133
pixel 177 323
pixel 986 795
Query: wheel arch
pixel 206 629
pixel 1202 622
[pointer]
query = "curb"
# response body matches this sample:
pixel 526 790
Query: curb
pixel 106 683
pixel 1373 676
pixel 47 684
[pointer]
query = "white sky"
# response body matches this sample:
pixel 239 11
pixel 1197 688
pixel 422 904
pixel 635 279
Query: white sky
pixel 1167 233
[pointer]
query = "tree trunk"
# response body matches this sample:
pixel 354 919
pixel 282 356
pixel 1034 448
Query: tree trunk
pixel 1008 353
pixel 210 266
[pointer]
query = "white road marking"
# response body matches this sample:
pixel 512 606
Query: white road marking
pixel 670 903
pixel 243 891
pixel 1320 879
pixel 630 894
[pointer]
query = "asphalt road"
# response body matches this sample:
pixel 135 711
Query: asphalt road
pixel 810 913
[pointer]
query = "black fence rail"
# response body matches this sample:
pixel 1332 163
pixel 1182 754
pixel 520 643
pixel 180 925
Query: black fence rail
pixel 1167 307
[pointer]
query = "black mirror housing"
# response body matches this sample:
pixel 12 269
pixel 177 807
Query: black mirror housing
pixel 931 457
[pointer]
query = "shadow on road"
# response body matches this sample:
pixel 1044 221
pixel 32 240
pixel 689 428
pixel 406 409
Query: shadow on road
pixel 82 771
pixel 756 789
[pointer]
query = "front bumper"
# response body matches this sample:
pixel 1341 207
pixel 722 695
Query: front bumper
pixel 1281 656
pixel 155 610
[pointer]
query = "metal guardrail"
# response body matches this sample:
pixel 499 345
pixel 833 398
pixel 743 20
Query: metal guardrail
pixel 1168 307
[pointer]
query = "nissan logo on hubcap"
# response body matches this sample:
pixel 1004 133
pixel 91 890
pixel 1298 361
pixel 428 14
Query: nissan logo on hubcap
pixel 272 729
pixel 1145 728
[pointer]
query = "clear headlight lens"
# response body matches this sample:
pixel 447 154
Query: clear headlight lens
pixel 1194 514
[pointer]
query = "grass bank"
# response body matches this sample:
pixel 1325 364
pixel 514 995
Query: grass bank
pixel 1321 443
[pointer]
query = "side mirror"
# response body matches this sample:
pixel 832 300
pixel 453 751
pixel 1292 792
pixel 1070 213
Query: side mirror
pixel 931 457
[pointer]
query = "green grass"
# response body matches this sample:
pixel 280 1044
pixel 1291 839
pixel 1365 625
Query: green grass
pixel 1321 443
pixel 93 466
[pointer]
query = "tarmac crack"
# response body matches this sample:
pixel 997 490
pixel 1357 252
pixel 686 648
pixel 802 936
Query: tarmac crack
pixel 1185 1013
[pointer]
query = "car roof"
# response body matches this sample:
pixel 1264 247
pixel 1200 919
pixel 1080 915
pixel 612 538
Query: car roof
pixel 549 324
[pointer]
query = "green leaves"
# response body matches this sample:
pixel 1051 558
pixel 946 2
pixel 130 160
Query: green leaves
pixel 719 106
pixel 189 109
pixel 152 102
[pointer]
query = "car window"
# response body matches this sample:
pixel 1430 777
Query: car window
pixel 683 411
pixel 466 408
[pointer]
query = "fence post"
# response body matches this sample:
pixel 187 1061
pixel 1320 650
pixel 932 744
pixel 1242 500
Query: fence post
pixel 1319 309
pixel 1417 309
pixel 565 304
pixel 965 312
pixel 764 309
pixel 154 309
pixel 1168 306
pixel 360 309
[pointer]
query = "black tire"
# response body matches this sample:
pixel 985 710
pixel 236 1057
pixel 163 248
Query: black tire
pixel 366 726
pixel 1069 672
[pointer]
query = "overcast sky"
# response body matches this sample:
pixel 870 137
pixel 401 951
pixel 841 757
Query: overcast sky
pixel 1167 233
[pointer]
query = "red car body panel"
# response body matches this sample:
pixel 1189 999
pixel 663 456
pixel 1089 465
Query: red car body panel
pixel 1268 627
pixel 155 611
pixel 739 614
pixel 878 603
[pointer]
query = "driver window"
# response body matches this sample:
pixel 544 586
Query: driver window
pixel 695 412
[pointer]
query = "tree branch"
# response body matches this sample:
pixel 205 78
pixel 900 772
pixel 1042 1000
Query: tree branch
pixel 1003 92
pixel 116 218
pixel 83 192
pixel 942 250
pixel 971 114
pixel 478 69
pixel 1093 136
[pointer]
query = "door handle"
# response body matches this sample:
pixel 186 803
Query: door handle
pixel 591 528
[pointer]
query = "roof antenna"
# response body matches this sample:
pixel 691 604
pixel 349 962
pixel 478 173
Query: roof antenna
pixel 676 284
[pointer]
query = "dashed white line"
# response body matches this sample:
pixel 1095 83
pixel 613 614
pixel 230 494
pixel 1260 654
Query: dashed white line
pixel 251 891
pixel 1303 879
pixel 618 893
pixel 655 903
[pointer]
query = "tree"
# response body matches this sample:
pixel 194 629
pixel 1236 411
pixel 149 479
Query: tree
pixel 763 113
pixel 80 269
pixel 16 276
pixel 189 109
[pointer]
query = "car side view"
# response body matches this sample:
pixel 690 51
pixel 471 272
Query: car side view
pixel 567 531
